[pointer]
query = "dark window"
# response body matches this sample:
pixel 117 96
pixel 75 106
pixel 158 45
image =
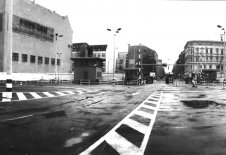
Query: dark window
pixel 1 21
pixel 222 51
pixel 39 60
pixel 211 51
pixel 103 55
pixel 47 61
pixel 206 50
pixel 210 66
pixel 32 59
pixel 24 57
pixel 15 56
pixel 52 61
pixel 217 50
pixel 58 62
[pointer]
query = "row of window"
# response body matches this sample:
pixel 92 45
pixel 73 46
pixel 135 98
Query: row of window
pixel 208 50
pixel 99 55
pixel 207 58
pixel 41 60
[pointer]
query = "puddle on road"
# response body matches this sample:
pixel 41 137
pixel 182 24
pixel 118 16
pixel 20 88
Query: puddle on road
pixel 199 104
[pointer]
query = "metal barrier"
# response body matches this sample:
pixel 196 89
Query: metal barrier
pixel 84 81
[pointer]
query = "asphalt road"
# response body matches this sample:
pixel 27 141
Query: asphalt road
pixel 188 121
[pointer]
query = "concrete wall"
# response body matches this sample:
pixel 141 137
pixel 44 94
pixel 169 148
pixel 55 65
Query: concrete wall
pixel 26 44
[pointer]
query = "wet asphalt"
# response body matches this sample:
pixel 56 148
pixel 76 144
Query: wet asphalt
pixel 189 120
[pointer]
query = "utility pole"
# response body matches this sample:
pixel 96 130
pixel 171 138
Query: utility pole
pixel 7 49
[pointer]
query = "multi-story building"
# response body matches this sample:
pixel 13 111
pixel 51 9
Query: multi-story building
pixel 204 57
pixel 85 65
pixel 121 62
pixel 41 39
pixel 148 61
pixel 99 51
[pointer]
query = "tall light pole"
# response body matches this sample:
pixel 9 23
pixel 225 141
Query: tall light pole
pixel 57 53
pixel 57 67
pixel 224 66
pixel 117 31
pixel 7 49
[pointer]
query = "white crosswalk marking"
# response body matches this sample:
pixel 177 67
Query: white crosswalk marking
pixel 121 145
pixel 48 94
pixel 70 92
pixel 144 114
pixel 21 96
pixel 35 95
pixel 149 107
pixel 60 93
pixel 136 125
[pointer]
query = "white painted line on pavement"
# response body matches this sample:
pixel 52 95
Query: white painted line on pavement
pixel 35 95
pixel 48 94
pixel 60 93
pixel 21 96
pixel 136 125
pixel 70 92
pixel 149 107
pixel 122 145
pixel 119 143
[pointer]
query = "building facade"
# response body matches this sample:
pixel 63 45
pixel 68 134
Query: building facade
pixel 121 62
pixel 41 39
pixel 99 51
pixel 85 65
pixel 148 61
pixel 204 57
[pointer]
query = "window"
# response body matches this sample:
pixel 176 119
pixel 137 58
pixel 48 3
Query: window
pixel 210 66
pixel 217 50
pixel 52 61
pixel 24 57
pixel 217 59
pixel 15 56
pixel 206 50
pixel 32 59
pixel 197 50
pixel 98 55
pixel 39 60
pixel 46 61
pixel 204 66
pixel 211 50
pixel 58 62
pixel 103 55
pixel 222 51
pixel 211 58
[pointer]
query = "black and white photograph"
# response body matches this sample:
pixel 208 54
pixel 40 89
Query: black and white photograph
pixel 112 77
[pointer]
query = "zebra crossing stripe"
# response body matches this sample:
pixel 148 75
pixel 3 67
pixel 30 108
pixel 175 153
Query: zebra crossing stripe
pixel 70 92
pixel 21 96
pixel 120 143
pixel 61 94
pixel 136 125
pixel 48 94
pixel 35 95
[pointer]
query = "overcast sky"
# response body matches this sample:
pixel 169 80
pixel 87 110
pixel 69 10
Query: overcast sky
pixel 164 26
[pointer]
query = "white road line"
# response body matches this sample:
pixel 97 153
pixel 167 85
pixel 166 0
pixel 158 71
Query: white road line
pixel 70 92
pixel 144 114
pixel 118 142
pixel 136 125
pixel 80 92
pixel 35 95
pixel 21 96
pixel 16 118
pixel 60 93
pixel 48 94
pixel 121 145
pixel 149 107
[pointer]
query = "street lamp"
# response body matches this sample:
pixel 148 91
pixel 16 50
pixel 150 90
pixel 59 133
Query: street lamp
pixel 57 53
pixel 224 66
pixel 117 31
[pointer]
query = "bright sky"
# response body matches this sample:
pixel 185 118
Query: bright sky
pixel 164 26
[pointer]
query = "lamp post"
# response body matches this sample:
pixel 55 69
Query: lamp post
pixel 57 67
pixel 108 64
pixel 117 31
pixel 224 66
pixel 57 53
